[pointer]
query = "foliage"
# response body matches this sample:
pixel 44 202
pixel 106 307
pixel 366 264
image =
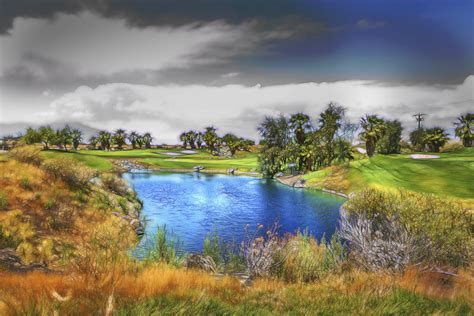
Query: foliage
pixel 165 247
pixel 47 135
pixel 119 138
pixel 439 232
pixel 104 138
pixel 465 129
pixel 417 139
pixel 452 147
pixel 373 130
pixel 224 253
pixel 390 141
pixel 70 171
pixel 115 184
pixel 27 154
pixel 76 138
pixel 210 138
pixel 307 261
pixel 300 125
pixel 3 201
pixel 260 253
pixel 435 138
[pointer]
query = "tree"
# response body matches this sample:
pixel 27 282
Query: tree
pixel 275 132
pixel 417 139
pixel 300 125
pixel 343 152
pixel 31 136
pixel 435 138
pixel 373 130
pixel 132 138
pixel 140 141
pixel 93 140
pixel 183 137
pixel 63 137
pixel 330 122
pixel 199 140
pixel 465 129
pixel 120 137
pixel 104 139
pixel 147 139
pixel 232 141
pixel 76 138
pixel 210 138
pixel 47 136
pixel 390 142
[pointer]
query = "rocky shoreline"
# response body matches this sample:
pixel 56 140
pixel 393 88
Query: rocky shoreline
pixel 298 182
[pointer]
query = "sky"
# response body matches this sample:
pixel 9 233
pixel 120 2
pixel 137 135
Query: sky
pixel 167 66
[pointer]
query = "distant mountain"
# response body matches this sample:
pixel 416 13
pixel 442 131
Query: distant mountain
pixel 16 129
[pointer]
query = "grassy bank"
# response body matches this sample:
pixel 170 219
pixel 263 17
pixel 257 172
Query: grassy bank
pixel 159 158
pixel 449 176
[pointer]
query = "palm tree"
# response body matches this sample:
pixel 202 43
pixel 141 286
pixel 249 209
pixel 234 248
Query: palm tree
pixel 76 138
pixel 199 140
pixel 132 138
pixel 210 138
pixel 140 141
pixel 93 140
pixel 300 124
pixel 465 129
pixel 104 139
pixel 63 137
pixel 119 138
pixel 373 129
pixel 147 139
pixel 435 138
pixel 183 137
pixel 343 151
pixel 47 136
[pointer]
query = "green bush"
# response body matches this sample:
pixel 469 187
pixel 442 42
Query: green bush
pixel 165 248
pixel 25 183
pixel 27 154
pixel 225 254
pixel 3 201
pixel 441 229
pixel 452 147
pixel 70 171
pixel 304 260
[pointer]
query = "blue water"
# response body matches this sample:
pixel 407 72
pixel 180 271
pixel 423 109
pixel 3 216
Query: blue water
pixel 192 205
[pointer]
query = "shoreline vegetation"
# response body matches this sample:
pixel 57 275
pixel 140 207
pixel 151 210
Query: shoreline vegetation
pixel 405 244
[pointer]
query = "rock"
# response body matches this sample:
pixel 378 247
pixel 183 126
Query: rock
pixel 299 183
pixel 279 174
pixel 231 171
pixel 199 261
pixel 10 261
pixel 198 168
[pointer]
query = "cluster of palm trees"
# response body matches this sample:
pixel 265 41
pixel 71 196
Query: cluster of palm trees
pixel 61 138
pixel 213 142
pixel 104 140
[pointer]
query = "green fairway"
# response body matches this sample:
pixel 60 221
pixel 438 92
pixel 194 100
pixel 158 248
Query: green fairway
pixel 101 160
pixel 452 175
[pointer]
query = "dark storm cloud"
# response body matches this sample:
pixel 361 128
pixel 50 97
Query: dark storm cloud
pixel 280 14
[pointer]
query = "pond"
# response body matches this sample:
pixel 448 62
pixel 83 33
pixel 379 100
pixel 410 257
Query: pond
pixel 192 205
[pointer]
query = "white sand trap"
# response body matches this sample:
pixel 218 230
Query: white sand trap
pixel 172 154
pixel 188 152
pixel 361 150
pixel 418 156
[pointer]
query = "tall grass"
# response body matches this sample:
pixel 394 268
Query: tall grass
pixel 164 247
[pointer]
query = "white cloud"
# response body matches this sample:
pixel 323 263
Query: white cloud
pixel 167 110
pixel 94 45
pixel 230 75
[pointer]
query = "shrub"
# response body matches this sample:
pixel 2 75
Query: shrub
pixel 27 154
pixel 436 231
pixel 452 147
pixel 261 253
pixel 70 171
pixel 304 260
pixel 225 254
pixel 115 184
pixel 25 183
pixel 165 248
pixel 3 201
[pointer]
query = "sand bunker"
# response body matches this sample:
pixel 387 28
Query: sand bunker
pixel 418 156
pixel 188 152
pixel 172 154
